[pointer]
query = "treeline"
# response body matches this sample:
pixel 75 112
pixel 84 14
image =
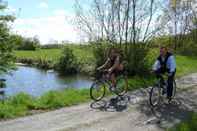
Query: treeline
pixel 186 44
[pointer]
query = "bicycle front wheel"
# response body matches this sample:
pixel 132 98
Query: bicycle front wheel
pixel 155 95
pixel 97 90
pixel 121 85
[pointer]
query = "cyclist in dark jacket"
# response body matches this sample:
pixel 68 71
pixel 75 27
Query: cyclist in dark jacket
pixel 166 63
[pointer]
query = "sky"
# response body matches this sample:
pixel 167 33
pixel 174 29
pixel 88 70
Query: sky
pixel 48 20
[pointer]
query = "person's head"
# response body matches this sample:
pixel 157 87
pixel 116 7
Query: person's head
pixel 163 51
pixel 112 52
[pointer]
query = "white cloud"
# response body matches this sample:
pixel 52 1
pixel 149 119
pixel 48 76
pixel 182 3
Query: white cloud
pixel 11 10
pixel 55 27
pixel 43 5
pixel 60 12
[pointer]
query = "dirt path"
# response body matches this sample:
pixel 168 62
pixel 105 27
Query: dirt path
pixel 129 113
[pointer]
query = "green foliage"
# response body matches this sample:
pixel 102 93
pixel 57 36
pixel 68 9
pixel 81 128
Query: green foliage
pixel 188 49
pixel 29 44
pixel 52 46
pixel 67 63
pixel 6 46
pixel 189 125
pixel 16 40
pixel 100 51
pixel 162 41
pixel 137 60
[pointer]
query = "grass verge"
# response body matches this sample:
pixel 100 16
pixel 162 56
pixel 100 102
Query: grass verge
pixel 189 125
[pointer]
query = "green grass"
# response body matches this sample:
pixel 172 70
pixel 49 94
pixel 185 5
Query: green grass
pixel 186 65
pixel 22 104
pixel 189 125
pixel 49 54
pixel 82 54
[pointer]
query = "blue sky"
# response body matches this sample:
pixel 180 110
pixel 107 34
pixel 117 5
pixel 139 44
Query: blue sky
pixel 47 19
pixel 40 8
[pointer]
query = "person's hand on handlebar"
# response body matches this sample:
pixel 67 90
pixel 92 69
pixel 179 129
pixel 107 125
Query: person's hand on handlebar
pixel 99 69
pixel 152 71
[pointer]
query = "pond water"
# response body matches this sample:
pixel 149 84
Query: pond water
pixel 36 81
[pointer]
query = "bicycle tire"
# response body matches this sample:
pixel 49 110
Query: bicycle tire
pixel 155 89
pixel 94 90
pixel 121 85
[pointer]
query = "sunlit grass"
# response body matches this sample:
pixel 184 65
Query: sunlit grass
pixel 21 104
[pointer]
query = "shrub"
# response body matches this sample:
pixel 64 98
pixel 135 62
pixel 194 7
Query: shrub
pixel 67 63
pixel 188 49
pixel 29 44
pixel 100 53
pixel 137 60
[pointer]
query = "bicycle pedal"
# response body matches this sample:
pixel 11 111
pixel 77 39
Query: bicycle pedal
pixel 113 89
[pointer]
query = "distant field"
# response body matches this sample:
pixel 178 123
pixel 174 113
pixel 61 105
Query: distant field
pixel 49 54
pixel 53 54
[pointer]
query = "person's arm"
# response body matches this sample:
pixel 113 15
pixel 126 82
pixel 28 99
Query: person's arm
pixel 116 63
pixel 172 64
pixel 104 65
pixel 156 65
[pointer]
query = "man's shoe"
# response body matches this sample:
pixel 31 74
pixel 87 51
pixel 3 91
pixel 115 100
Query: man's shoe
pixel 169 100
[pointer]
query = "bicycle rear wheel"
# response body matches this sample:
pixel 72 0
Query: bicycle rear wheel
pixel 155 95
pixel 97 90
pixel 121 85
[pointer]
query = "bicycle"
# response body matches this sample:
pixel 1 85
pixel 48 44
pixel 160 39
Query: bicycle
pixel 98 88
pixel 159 91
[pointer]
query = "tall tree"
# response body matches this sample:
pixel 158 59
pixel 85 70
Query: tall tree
pixel 118 21
pixel 6 45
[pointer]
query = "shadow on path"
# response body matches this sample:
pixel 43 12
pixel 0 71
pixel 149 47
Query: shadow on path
pixel 167 115
pixel 115 104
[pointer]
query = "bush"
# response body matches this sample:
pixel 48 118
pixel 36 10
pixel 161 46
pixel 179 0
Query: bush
pixel 100 53
pixel 52 46
pixel 67 63
pixel 189 49
pixel 138 62
pixel 29 44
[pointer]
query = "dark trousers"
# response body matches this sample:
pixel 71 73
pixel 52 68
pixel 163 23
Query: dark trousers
pixel 170 81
